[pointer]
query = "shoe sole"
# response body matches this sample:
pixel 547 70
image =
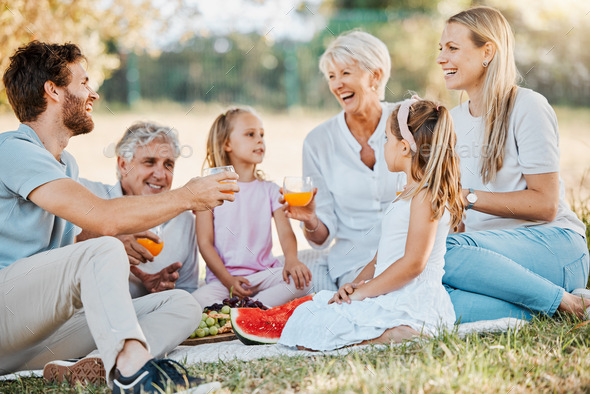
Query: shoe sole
pixel 88 370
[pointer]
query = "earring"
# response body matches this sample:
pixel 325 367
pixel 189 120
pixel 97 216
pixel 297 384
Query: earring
pixel 485 64
pixel 373 87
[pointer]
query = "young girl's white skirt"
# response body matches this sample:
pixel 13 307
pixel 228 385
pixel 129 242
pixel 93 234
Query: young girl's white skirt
pixel 422 304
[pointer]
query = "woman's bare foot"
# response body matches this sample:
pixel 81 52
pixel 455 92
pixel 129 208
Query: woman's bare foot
pixel 396 335
pixel 575 305
pixel 307 349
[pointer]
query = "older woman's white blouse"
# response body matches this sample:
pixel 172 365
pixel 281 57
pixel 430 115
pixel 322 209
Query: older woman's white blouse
pixel 351 197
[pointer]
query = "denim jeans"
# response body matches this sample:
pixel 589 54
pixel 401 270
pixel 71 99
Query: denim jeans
pixel 513 273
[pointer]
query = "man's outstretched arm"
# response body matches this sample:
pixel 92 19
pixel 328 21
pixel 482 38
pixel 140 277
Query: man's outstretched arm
pixel 71 201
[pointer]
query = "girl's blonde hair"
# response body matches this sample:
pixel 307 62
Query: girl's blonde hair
pixel 435 164
pixel 218 138
pixel 500 82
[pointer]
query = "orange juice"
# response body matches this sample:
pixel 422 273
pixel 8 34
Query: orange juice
pixel 228 192
pixel 298 199
pixel 150 245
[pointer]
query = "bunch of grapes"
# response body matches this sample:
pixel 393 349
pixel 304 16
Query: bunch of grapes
pixel 210 325
pixel 236 302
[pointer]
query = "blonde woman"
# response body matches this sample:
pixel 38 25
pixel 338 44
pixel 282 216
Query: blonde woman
pixel 523 249
pixel 344 157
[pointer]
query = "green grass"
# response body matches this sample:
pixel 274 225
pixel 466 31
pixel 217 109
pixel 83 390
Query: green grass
pixel 550 354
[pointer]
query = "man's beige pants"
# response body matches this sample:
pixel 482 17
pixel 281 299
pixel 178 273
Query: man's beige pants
pixel 41 315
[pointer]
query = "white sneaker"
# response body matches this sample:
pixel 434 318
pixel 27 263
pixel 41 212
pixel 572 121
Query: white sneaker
pixel 585 294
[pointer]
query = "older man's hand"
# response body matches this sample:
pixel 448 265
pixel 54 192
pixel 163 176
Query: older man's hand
pixel 163 280
pixel 136 252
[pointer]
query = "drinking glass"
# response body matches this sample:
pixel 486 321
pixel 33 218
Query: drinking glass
pixel 297 190
pixel 153 247
pixel 217 170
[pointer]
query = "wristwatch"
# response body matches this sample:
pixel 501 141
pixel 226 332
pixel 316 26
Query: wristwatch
pixel 471 198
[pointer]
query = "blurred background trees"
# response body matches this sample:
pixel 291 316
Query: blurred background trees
pixel 265 53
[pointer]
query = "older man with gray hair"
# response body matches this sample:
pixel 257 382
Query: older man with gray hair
pixel 146 155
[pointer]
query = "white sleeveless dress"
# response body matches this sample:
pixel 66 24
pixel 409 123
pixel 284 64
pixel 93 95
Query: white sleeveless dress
pixel 423 303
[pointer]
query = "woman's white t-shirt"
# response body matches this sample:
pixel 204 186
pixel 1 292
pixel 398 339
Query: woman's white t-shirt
pixel 532 147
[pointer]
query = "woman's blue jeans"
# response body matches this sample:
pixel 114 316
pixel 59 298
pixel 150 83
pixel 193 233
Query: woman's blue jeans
pixel 513 273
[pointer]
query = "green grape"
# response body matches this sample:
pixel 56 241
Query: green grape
pixel 204 316
pixel 205 330
pixel 213 330
pixel 226 309
pixel 202 324
pixel 200 332
pixel 210 321
pixel 222 322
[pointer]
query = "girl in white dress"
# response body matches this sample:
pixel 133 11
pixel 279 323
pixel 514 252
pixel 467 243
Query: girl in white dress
pixel 399 294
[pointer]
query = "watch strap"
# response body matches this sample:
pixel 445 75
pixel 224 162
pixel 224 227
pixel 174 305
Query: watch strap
pixel 470 205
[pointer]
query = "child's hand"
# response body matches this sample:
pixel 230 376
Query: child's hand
pixel 345 293
pixel 241 286
pixel 299 271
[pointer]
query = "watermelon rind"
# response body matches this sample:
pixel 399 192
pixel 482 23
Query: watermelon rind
pixel 245 338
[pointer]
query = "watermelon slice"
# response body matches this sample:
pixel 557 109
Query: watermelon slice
pixel 255 326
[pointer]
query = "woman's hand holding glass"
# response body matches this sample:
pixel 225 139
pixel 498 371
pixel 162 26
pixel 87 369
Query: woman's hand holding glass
pixel 298 196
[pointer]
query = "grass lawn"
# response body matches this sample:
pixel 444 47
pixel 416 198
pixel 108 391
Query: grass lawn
pixel 550 354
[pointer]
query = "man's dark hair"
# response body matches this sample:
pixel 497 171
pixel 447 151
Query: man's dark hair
pixel 30 67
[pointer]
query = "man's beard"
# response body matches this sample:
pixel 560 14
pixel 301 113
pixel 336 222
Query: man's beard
pixel 75 116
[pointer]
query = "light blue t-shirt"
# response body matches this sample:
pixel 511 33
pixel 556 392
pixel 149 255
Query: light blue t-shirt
pixel 25 228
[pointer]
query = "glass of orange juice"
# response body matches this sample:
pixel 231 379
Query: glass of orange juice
pixel 297 190
pixel 217 170
pixel 153 247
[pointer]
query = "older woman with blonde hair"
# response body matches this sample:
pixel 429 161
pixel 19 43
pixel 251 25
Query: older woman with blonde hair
pixel 344 157
pixel 523 250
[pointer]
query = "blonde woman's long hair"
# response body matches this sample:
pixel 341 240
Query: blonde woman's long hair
pixel 218 138
pixel 500 82
pixel 435 164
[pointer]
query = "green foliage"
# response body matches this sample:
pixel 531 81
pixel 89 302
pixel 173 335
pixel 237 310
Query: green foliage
pixel 87 23
pixel 551 42
pixel 258 71
pixel 421 5
pixel 254 69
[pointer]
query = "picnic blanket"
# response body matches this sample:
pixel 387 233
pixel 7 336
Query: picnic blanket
pixel 235 350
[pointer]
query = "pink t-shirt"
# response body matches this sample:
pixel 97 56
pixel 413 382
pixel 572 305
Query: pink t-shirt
pixel 243 233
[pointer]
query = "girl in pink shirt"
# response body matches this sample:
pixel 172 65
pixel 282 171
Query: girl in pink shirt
pixel 235 239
